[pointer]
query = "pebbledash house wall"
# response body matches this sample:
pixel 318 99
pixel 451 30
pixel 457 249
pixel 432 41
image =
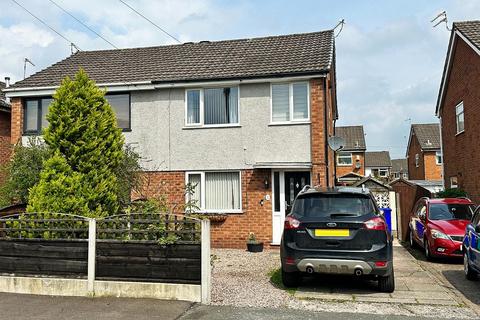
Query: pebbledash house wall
pixel 461 152
pixel 170 149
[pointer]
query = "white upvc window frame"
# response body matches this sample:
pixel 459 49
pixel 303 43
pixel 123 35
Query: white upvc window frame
pixel 290 103
pixel 438 155
pixel 203 188
pixel 344 156
pixel 383 170
pixel 457 114
pixel 417 160
pixel 202 124
pixel 453 182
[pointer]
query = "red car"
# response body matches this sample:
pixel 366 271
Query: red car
pixel 438 225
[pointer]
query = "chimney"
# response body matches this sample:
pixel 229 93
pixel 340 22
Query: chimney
pixel 7 82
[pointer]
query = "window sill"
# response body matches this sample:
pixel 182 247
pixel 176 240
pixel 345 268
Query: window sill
pixel 126 130
pixel 219 211
pixel 459 133
pixel 344 165
pixel 219 126
pixel 289 123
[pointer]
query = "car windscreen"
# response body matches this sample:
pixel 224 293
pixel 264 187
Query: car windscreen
pixel 443 211
pixel 326 205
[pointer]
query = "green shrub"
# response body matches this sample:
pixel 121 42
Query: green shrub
pixel 83 131
pixel 451 193
pixel 23 171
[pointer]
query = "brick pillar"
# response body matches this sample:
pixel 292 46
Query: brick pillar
pixel 317 132
pixel 17 120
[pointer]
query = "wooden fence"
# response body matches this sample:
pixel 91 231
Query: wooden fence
pixel 154 247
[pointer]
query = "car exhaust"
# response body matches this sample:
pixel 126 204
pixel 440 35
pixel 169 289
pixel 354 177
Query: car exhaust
pixel 358 272
pixel 309 270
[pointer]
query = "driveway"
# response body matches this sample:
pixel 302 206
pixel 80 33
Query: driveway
pixel 450 273
pixel 242 279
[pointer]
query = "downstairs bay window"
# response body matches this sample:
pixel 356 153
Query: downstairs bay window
pixel 215 191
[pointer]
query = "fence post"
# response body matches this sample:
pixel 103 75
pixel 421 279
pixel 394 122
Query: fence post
pixel 92 239
pixel 206 268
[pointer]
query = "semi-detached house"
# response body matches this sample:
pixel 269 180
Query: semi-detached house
pixel 246 121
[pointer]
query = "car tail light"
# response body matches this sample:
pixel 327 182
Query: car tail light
pixel 291 223
pixel 289 260
pixel 376 223
pixel 380 264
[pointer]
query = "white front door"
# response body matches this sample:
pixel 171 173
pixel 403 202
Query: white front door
pixel 285 187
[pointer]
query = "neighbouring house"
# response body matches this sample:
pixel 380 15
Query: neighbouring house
pixel 399 169
pixel 5 141
pixel 351 158
pixel 378 164
pixel 424 154
pixel 245 121
pixel 458 107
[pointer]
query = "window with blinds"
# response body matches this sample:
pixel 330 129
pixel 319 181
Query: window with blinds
pixel 216 191
pixel 212 106
pixel 290 102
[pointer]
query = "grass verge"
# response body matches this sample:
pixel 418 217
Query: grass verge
pixel 276 279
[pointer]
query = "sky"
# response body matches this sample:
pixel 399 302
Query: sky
pixel 389 58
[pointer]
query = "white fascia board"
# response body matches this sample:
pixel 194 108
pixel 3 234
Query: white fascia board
pixel 48 91
pixel 235 82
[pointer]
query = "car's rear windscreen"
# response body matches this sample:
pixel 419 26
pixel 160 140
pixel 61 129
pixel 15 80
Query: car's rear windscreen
pixel 326 205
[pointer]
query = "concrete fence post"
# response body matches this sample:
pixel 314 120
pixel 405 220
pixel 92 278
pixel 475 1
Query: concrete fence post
pixel 92 239
pixel 206 281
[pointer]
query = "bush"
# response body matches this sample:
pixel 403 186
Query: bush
pixel 23 171
pixel 451 193
pixel 83 131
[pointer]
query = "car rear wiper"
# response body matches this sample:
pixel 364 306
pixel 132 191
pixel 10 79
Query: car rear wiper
pixel 343 215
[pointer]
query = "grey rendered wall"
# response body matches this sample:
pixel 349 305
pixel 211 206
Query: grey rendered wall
pixel 159 134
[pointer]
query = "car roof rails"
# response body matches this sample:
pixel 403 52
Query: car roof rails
pixel 464 198
pixel 305 188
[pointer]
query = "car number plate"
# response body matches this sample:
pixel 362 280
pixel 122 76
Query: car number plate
pixel 332 232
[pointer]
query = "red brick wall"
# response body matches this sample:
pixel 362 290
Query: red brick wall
pixel 461 152
pixel 5 143
pixel 233 232
pixel 433 171
pixel 317 133
pixel 415 173
pixel 17 120
pixel 343 170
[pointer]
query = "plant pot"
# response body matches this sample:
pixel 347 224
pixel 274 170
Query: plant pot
pixel 255 247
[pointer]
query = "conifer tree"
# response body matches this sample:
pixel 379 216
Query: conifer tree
pixel 83 131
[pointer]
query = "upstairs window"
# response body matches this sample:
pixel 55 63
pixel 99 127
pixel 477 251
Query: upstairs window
pixel 120 104
pixel 36 109
pixel 35 115
pixel 212 106
pixel 460 118
pixel 438 158
pixel 344 159
pixel 290 102
pixel 417 160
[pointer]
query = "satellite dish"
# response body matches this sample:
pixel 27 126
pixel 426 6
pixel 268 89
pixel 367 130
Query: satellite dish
pixel 336 143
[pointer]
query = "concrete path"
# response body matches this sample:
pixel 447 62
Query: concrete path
pixel 414 285
pixel 200 312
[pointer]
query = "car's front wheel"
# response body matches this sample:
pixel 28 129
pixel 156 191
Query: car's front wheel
pixel 412 241
pixel 428 254
pixel 290 279
pixel 387 283
pixel 470 274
